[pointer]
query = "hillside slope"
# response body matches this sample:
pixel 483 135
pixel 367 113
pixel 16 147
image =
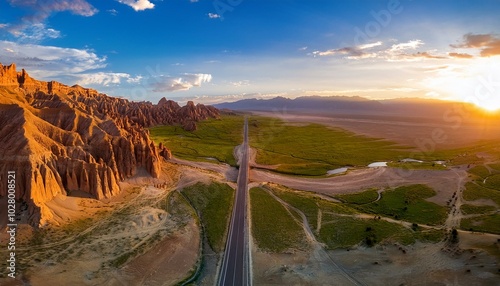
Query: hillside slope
pixel 60 139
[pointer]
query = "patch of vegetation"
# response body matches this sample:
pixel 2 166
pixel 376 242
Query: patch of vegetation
pixel 304 202
pixel 122 259
pixel 430 235
pixel 214 138
pixel 485 223
pixel 338 208
pixel 417 165
pixel 316 148
pixel 345 232
pixel 472 209
pixel 480 171
pixel 495 167
pixel 273 228
pixel 408 203
pixel 474 192
pixel 214 204
pixel 365 197
pixel 78 225
pixel 493 182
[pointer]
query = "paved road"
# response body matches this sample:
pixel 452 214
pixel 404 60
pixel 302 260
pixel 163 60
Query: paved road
pixel 235 265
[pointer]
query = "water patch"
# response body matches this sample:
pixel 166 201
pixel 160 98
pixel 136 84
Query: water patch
pixel 408 160
pixel 337 171
pixel 377 164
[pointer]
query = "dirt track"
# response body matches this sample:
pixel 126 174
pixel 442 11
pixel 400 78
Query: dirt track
pixel 445 182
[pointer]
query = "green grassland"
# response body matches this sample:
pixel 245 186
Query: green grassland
pixel 408 203
pixel 344 232
pixel 273 228
pixel 301 149
pixel 486 186
pixel 473 192
pixel 214 204
pixel 365 197
pixel 472 209
pixel 340 230
pixel 486 223
pixel 417 165
pixel 214 138
pixel 313 149
pixel 480 171
pixel 493 182
pixel 305 202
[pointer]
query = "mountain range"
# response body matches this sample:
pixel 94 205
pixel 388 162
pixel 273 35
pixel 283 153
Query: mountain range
pixel 343 105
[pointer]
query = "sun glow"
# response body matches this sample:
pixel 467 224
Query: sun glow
pixel 491 104
pixel 475 81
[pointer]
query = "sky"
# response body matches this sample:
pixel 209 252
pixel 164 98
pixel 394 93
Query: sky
pixel 214 51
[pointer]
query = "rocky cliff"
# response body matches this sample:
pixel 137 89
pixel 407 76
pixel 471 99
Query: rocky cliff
pixel 61 139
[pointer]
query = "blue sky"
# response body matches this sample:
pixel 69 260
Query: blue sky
pixel 224 50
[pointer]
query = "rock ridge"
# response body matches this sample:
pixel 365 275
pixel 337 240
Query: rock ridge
pixel 60 139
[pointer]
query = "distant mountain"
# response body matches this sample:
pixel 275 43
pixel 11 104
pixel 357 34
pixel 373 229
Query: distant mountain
pixel 336 104
pixel 343 105
pixel 59 139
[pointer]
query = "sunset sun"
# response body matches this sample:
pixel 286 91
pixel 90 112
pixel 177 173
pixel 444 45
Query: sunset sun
pixel 489 104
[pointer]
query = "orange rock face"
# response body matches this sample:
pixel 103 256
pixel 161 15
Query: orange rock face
pixel 61 139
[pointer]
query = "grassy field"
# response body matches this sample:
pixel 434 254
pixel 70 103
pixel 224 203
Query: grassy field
pixel 344 232
pixel 302 201
pixel 316 148
pixel 493 182
pixel 486 223
pixel 473 192
pixel 213 203
pixel 480 171
pixel 214 138
pixel 273 228
pixel 408 203
pixel 298 149
pixel 472 209
pixel 340 231
pixel 362 198
pixel 417 166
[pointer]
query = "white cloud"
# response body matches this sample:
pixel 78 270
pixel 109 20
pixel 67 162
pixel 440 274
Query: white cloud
pixel 138 5
pixel 31 27
pixel 106 78
pixel 49 62
pixel 395 53
pixel 240 83
pixel 369 46
pixel 184 82
pixel 43 9
pixel 113 12
pixel 411 45
pixel 36 33
pixel 213 16
pixel 357 52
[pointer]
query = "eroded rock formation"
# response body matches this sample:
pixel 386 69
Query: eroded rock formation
pixel 61 139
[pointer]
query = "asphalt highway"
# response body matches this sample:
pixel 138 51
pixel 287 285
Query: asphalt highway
pixel 236 266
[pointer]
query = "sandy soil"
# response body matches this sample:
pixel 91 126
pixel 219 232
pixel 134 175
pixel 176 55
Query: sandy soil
pixel 419 264
pixel 135 220
pixel 165 264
